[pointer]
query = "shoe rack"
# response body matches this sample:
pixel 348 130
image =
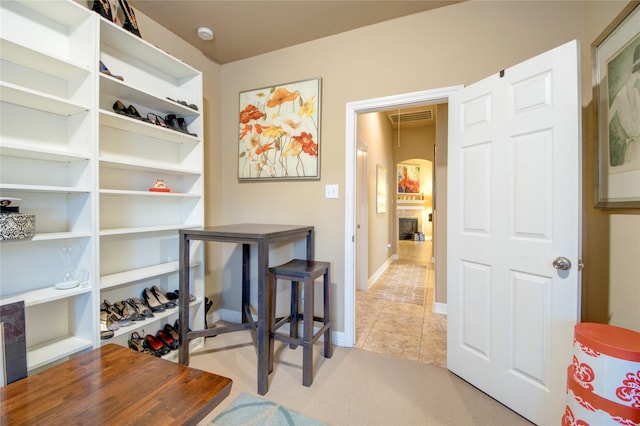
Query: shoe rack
pixel 138 228
pixel 85 172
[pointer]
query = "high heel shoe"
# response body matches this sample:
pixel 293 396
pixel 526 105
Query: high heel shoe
pixel 105 70
pixel 167 339
pixel 162 298
pixel 136 342
pixel 152 301
pixel 114 314
pixel 182 125
pixel 141 307
pixel 105 331
pixel 128 311
pixel 172 122
pixel 155 345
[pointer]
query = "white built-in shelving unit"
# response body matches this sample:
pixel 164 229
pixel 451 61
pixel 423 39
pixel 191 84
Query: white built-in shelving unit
pixel 85 172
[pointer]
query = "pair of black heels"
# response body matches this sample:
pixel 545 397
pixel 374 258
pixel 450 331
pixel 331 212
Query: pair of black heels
pixel 156 300
pixel 171 121
pixel 129 111
pixel 192 106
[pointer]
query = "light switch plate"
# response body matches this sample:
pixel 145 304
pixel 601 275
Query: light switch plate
pixel 331 191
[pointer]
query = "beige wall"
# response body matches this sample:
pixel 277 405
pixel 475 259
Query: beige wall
pixel 457 44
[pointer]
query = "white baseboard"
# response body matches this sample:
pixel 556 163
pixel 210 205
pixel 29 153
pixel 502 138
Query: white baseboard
pixel 440 308
pixel 376 275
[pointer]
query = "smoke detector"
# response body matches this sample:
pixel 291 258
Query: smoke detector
pixel 205 33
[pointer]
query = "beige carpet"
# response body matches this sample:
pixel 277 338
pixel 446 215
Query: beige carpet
pixel 354 387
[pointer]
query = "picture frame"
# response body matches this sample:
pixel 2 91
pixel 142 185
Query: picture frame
pixel 616 78
pixel 381 189
pixel 279 132
pixel 408 178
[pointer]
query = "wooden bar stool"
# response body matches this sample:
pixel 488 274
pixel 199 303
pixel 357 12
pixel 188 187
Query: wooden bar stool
pixel 305 271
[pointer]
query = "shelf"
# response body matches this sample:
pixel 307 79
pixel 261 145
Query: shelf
pixel 121 90
pixel 45 295
pixel 132 125
pixel 137 325
pixel 41 62
pixel 146 167
pixel 147 229
pixel 45 189
pixel 66 13
pixel 120 278
pixel 52 351
pixel 37 100
pixel 9 150
pixel 120 39
pixel 148 193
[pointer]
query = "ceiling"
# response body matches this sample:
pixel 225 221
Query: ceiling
pixel 246 28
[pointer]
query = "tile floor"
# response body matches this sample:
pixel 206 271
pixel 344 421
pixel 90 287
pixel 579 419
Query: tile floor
pixel 403 328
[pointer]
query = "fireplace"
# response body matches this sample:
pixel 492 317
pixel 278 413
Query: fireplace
pixel 407 226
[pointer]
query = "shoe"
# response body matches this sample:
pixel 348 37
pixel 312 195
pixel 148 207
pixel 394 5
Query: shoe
pixel 114 314
pixel 182 125
pixel 141 308
pixel 152 301
pixel 172 122
pixel 169 329
pixel 128 311
pixel 136 342
pixel 192 106
pixel 119 108
pixel 162 298
pixel 167 339
pixel 154 119
pixel 133 112
pixel 105 70
pixel 192 298
pixel 105 331
pixel 155 345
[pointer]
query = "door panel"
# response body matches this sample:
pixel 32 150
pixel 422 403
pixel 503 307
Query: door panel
pixel 514 206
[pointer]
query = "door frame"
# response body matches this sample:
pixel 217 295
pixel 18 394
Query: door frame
pixel 362 215
pixel 352 110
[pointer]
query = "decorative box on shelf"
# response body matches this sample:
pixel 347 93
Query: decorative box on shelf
pixel 17 226
pixel 13 224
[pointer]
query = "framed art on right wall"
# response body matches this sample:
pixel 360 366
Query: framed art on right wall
pixel 616 74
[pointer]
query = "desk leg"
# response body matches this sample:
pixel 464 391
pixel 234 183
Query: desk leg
pixel 246 282
pixel 310 245
pixel 263 318
pixel 183 313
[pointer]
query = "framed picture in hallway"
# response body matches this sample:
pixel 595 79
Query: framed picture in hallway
pixel 616 73
pixel 279 132
pixel 408 179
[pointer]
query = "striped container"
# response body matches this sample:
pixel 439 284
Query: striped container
pixel 603 380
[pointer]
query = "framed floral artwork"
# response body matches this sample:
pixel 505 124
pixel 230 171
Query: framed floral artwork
pixel 616 74
pixel 279 132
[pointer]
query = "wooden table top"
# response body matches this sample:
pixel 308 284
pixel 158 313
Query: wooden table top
pixel 115 385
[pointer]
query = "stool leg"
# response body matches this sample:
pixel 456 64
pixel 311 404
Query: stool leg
pixel 307 324
pixel 326 319
pixel 293 324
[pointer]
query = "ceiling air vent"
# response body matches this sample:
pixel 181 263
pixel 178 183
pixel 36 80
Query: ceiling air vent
pixel 406 117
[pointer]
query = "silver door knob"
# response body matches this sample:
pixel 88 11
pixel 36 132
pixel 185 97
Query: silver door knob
pixel 562 264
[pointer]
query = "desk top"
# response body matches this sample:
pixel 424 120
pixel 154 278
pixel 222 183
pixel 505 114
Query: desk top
pixel 115 385
pixel 248 231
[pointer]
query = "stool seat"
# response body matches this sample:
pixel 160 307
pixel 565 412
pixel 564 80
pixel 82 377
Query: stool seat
pixel 305 271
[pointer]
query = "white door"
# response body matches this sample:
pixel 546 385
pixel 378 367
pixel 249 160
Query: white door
pixel 513 208
pixel 362 211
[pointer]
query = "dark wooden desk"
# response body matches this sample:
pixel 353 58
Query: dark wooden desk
pixel 247 234
pixel 113 385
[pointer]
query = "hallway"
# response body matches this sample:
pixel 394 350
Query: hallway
pixel 395 316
